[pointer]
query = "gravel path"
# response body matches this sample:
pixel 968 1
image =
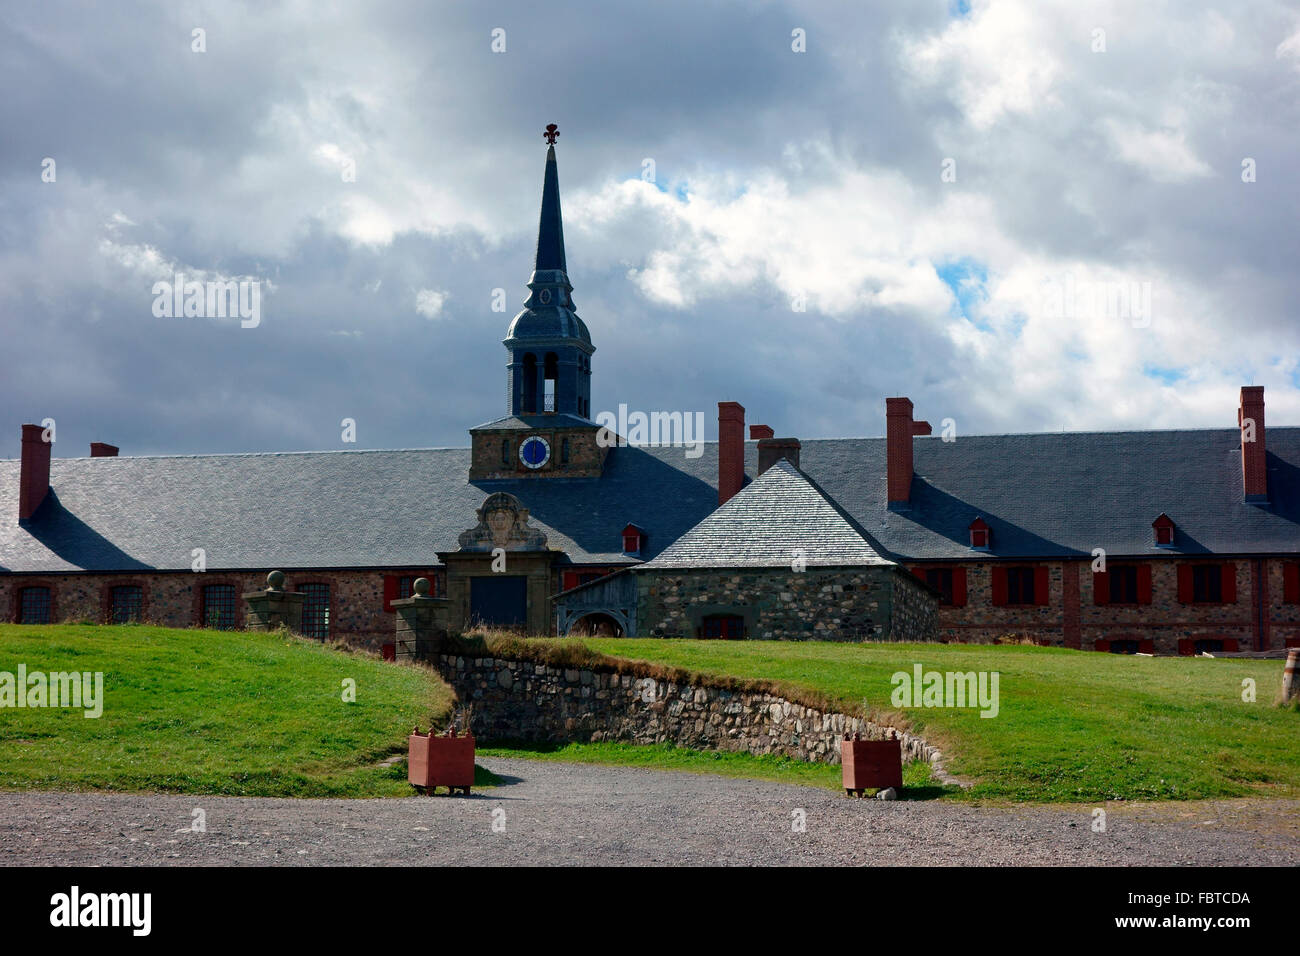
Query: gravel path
pixel 571 814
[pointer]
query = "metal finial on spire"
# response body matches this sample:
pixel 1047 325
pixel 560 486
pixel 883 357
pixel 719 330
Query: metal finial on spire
pixel 551 134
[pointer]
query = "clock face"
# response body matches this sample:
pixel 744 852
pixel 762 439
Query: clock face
pixel 534 451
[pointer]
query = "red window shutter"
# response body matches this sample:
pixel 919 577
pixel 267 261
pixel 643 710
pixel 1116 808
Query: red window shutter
pixel 1291 582
pixel 1144 584
pixel 1186 646
pixel 1040 586
pixel 918 572
pixel 999 586
pixel 1228 583
pixel 1184 586
pixel 1146 647
pixel 1103 646
pixel 570 580
pixel 1100 587
pixel 1229 645
pixel 390 591
pixel 958 587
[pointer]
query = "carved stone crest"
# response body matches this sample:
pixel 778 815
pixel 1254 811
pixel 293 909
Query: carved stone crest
pixel 503 523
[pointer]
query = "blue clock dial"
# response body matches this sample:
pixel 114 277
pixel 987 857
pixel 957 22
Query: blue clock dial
pixel 534 452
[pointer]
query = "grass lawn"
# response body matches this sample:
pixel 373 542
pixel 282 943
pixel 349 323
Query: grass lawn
pixel 227 712
pixel 916 777
pixel 1072 725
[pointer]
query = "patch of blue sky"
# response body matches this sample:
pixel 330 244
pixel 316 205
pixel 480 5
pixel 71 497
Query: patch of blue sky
pixel 1162 374
pixel 968 281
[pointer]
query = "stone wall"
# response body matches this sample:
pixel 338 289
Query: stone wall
pixel 1164 622
pixel 915 613
pixel 526 700
pixel 823 604
pixel 173 599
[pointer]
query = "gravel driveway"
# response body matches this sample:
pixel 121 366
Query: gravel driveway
pixel 572 814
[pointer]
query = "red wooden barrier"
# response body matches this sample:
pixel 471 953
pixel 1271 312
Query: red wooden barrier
pixel 871 764
pixel 434 762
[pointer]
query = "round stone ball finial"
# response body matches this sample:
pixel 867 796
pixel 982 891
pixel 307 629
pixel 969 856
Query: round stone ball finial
pixel 275 580
pixel 421 587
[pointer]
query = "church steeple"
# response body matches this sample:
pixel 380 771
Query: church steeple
pixel 548 432
pixel 550 347
pixel 550 229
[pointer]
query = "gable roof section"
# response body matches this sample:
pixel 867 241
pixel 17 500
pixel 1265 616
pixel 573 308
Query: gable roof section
pixel 1062 494
pixel 766 524
pixel 343 509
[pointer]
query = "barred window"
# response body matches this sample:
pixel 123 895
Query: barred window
pixel 941 580
pixel 315 610
pixel 219 607
pixel 1207 584
pixel 34 605
pixel 126 604
pixel 1123 584
pixel 1020 586
pixel 405 586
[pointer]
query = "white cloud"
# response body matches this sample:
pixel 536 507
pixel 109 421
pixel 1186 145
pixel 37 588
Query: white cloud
pixel 1290 49
pixel 429 302
pixel 1163 154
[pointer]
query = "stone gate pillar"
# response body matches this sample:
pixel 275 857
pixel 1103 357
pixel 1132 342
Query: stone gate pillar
pixel 421 623
pixel 269 609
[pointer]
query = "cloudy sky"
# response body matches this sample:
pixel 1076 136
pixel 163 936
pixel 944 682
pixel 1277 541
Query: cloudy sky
pixel 1023 215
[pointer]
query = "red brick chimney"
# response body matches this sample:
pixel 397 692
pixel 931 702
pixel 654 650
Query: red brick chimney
pixel 759 432
pixel 772 450
pixel 34 476
pixel 899 429
pixel 99 449
pixel 1250 418
pixel 731 449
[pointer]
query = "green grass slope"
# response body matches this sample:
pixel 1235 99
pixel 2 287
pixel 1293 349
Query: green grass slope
pixel 227 712
pixel 1072 725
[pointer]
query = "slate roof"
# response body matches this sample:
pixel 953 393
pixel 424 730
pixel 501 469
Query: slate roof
pixel 1043 495
pixel 1061 494
pixel 766 524
pixel 547 420
pixel 341 509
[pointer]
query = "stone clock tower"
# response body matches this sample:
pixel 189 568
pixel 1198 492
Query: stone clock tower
pixel 549 431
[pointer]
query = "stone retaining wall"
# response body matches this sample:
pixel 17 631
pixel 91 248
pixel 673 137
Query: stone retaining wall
pixel 525 700
pixel 879 602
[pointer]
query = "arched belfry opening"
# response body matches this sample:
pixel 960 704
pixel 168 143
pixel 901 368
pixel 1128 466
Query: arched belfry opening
pixel 551 371
pixel 529 404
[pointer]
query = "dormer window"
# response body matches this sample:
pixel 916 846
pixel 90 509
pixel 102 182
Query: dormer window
pixel 1164 530
pixel 633 537
pixel 979 535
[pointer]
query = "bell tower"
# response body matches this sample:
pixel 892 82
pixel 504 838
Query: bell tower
pixel 550 348
pixel 548 430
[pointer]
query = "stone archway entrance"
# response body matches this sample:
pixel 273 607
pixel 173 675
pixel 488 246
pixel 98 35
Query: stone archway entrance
pixel 597 624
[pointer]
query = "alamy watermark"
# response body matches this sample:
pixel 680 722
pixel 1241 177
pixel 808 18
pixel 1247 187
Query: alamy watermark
pixel 1067 298
pixel 129 910
pixel 58 689
pixel 214 299
pixel 653 429
pixel 923 688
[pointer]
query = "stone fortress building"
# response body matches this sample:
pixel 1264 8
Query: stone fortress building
pixel 545 525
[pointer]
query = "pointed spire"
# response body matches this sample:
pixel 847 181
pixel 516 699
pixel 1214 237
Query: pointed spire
pixel 550 229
